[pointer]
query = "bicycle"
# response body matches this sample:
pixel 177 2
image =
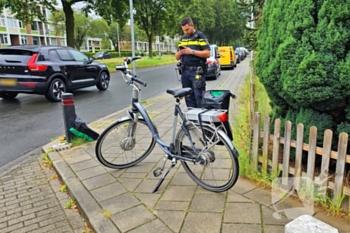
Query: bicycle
pixel 198 144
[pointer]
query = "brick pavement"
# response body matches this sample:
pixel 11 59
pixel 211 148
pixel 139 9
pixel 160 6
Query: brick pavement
pixel 31 200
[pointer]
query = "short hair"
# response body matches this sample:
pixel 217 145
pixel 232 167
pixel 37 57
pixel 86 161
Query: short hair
pixel 186 20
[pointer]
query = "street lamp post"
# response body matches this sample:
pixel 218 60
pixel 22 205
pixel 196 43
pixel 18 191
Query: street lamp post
pixel 132 34
pixel 118 39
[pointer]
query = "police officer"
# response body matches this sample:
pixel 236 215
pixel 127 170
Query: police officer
pixel 193 50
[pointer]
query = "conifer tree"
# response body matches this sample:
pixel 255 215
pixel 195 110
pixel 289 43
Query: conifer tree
pixel 304 59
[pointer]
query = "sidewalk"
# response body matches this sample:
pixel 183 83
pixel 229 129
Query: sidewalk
pixel 122 200
pixel 31 201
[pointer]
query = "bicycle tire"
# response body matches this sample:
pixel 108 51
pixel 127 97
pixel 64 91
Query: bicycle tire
pixel 225 164
pixel 111 149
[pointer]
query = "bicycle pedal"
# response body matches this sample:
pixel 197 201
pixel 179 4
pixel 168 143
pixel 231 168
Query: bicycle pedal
pixel 157 172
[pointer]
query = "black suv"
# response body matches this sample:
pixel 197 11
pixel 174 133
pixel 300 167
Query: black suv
pixel 48 70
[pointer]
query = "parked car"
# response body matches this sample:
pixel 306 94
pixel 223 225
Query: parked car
pixel 101 55
pixel 227 57
pixel 241 53
pixel 213 62
pixel 48 70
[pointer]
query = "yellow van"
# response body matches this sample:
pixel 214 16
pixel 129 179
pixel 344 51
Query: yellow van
pixel 227 57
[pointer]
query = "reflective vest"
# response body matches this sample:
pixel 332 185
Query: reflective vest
pixel 197 41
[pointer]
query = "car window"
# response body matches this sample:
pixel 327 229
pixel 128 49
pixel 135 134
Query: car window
pixel 54 55
pixel 64 55
pixel 78 56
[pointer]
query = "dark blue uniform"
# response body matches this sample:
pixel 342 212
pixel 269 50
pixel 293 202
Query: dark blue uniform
pixel 190 63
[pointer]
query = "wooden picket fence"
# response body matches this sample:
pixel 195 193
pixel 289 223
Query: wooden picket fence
pixel 270 146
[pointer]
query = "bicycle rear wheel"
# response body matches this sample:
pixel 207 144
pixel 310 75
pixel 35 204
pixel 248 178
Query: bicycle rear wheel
pixel 115 149
pixel 220 168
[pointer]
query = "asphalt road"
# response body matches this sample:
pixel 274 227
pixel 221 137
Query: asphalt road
pixel 31 121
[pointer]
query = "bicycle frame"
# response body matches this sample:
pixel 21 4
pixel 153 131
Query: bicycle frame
pixel 137 108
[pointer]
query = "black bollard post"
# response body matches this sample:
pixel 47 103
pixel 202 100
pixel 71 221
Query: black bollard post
pixel 68 114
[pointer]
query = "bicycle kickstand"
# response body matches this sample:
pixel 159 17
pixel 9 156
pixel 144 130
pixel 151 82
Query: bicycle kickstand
pixel 173 163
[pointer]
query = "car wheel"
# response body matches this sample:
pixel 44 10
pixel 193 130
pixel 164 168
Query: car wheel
pixel 56 88
pixel 8 95
pixel 103 81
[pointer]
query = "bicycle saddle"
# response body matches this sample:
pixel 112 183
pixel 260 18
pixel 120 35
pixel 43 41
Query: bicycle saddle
pixel 182 92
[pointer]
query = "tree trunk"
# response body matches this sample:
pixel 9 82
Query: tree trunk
pixel 150 54
pixel 68 11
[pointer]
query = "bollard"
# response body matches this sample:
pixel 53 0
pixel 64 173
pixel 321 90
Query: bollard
pixel 68 114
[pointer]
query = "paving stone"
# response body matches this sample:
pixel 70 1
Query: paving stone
pixel 272 217
pixel 139 215
pixel 84 165
pixel 78 158
pixel 148 185
pixel 173 219
pixel 151 227
pixel 108 191
pixel 242 213
pixel 120 203
pixel 235 197
pixel 30 228
pixel 88 173
pixel 130 184
pixel 149 199
pixel 208 202
pixel 21 219
pixel 179 193
pixel 240 228
pixel 182 179
pixel 260 195
pixel 243 185
pixel 202 222
pixel 172 205
pixel 141 167
pixel 13 228
pixel 98 181
pixel 273 229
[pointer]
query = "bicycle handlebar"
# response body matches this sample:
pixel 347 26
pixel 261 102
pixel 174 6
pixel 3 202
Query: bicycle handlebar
pixel 139 81
pixel 126 72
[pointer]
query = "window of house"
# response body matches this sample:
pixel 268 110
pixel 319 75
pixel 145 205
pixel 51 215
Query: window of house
pixel 64 55
pixel 21 24
pixel 12 22
pixel 4 39
pixel 24 40
pixel 36 40
pixel 34 26
pixel 2 21
pixel 53 41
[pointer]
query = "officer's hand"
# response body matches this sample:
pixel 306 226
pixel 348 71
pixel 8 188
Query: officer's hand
pixel 186 50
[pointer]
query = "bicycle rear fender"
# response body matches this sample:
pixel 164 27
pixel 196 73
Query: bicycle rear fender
pixel 229 142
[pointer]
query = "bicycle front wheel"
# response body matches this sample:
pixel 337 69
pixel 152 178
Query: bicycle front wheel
pixel 116 148
pixel 219 168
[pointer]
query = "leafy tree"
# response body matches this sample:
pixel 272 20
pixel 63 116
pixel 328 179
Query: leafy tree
pixel 82 26
pixel 304 58
pixel 56 19
pixel 152 17
pixel 109 9
pixel 28 13
pixel 248 8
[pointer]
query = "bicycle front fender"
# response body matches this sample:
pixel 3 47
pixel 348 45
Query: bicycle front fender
pixel 128 117
pixel 229 142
